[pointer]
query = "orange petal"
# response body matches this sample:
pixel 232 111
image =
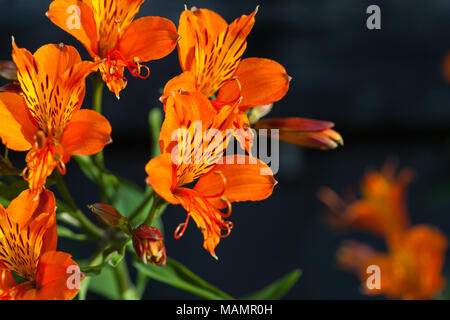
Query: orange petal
pixel 7 280
pixel 196 19
pixel 17 127
pixel 184 82
pixel 22 246
pixel 55 59
pixel 216 63
pixel 51 96
pixel 427 247
pixel 182 109
pixel 66 72
pixel 76 18
pixel 207 218
pixel 116 82
pixel 262 82
pixel 26 207
pixel 54 273
pixel 86 134
pixel 161 176
pixel 247 179
pixel 211 21
pixel 392 282
pixel 148 38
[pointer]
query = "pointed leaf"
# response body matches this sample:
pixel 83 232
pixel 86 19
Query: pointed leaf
pixel 277 289
pixel 177 275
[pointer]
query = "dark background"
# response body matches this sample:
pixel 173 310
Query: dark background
pixel 383 89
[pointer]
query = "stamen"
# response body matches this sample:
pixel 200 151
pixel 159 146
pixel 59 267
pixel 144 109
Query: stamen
pixel 179 233
pixel 115 59
pixel 229 207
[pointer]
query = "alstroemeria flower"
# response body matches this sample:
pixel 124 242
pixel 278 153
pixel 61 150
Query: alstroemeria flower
pixel 107 30
pixel 27 247
pixel 197 157
pixel 210 53
pixel 46 119
pixel 309 133
pixel 412 269
pixel 382 208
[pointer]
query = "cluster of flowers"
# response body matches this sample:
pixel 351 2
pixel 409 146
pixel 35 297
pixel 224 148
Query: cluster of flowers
pixel 41 113
pixel 412 267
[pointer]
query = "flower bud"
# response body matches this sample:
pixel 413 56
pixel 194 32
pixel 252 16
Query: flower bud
pixel 109 216
pixel 316 134
pixel 149 246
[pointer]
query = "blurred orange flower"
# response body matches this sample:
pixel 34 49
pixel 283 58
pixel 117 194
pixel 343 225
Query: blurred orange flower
pixel 412 267
pixel 382 207
pixel 108 32
pixel 193 158
pixel 46 119
pixel 27 248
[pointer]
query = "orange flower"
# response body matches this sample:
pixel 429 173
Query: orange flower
pixel 310 133
pixel 46 119
pixel 197 157
pixel 27 248
pixel 412 269
pixel 382 209
pixel 210 53
pixel 107 30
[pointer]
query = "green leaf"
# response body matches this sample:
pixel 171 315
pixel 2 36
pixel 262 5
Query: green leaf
pixel 277 289
pixel 116 256
pixel 7 169
pixel 69 234
pixel 12 190
pixel 177 275
pixel 92 171
pixel 128 197
pixel 105 284
pixel 18 278
pixel 92 270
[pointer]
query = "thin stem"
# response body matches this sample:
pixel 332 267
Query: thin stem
pixel 96 259
pixel 97 97
pixel 123 280
pixel 155 121
pixel 97 91
pixel 87 225
pixel 158 204
pixel 142 206
pixel 141 283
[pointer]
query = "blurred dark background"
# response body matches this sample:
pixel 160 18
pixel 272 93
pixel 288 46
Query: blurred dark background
pixel 383 89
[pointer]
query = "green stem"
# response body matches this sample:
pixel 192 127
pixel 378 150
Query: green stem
pixel 126 289
pixel 142 206
pixel 155 117
pixel 97 91
pixel 97 258
pixel 157 206
pixel 87 225
pixel 97 97
pixel 141 283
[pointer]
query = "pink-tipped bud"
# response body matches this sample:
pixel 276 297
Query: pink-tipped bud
pixel 149 246
pixel 308 133
pixel 109 216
